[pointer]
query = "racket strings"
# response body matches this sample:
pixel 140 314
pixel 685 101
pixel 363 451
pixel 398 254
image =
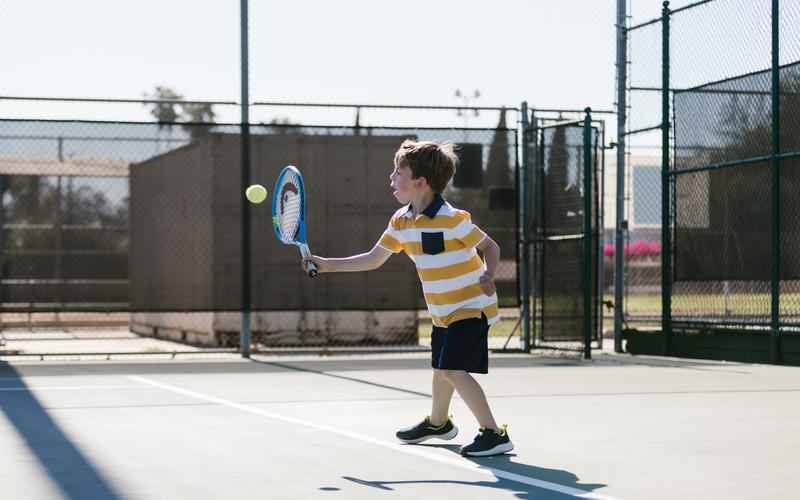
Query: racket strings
pixel 290 208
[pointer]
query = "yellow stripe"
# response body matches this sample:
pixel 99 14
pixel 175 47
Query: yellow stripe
pixel 473 238
pixel 489 311
pixel 415 247
pixel 454 297
pixel 400 223
pixel 392 244
pixel 453 271
pixel 442 221
pixel 438 222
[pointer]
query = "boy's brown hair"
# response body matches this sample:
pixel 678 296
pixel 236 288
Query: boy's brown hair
pixel 435 161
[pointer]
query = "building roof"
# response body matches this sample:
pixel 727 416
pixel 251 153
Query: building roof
pixel 71 167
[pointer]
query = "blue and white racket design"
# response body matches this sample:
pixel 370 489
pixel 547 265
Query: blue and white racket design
pixel 289 212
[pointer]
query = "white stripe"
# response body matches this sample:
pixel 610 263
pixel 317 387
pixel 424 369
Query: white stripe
pixel 65 388
pixel 406 235
pixel 413 234
pixel 410 450
pixel 461 230
pixel 389 249
pixel 448 209
pixel 478 302
pixel 443 259
pixel 448 285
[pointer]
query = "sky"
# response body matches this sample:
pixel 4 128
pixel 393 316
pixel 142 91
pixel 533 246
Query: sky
pixel 550 53
pixel 554 54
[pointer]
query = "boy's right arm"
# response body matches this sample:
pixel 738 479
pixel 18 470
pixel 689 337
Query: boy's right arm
pixel 373 259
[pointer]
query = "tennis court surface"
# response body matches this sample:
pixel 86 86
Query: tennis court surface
pixel 310 427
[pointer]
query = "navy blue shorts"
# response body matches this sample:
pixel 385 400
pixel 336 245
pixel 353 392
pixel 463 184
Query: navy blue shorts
pixel 464 345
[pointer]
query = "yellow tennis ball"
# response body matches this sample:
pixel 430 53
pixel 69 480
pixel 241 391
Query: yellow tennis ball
pixel 256 193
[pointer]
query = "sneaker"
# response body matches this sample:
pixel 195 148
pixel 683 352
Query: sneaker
pixel 424 431
pixel 489 442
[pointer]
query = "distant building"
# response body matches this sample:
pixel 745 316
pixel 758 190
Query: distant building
pixel 645 194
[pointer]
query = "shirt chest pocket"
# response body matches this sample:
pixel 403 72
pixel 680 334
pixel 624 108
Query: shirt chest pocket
pixel 433 243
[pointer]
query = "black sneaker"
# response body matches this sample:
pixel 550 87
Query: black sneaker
pixel 489 442
pixel 424 431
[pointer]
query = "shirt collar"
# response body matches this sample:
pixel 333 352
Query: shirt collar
pixel 432 209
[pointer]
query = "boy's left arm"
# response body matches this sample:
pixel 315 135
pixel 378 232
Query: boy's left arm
pixel 491 255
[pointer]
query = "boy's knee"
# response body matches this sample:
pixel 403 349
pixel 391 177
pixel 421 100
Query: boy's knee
pixel 440 374
pixel 451 375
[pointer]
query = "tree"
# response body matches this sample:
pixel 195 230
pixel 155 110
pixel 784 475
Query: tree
pixel 499 172
pixel 164 112
pixel 196 115
pixel 282 125
pixel 734 243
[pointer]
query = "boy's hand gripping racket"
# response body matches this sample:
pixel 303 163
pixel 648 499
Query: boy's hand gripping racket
pixel 289 213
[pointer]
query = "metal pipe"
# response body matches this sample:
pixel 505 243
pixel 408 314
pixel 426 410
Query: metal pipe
pixel 525 223
pixel 666 220
pixel 775 337
pixel 621 223
pixel 588 281
pixel 113 100
pixel 244 334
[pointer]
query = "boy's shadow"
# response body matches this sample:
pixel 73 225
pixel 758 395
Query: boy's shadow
pixel 504 468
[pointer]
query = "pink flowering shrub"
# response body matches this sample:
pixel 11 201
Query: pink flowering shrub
pixel 639 249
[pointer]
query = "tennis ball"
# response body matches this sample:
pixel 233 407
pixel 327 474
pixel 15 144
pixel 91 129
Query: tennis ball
pixel 256 193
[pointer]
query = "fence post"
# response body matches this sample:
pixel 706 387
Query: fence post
pixel 775 336
pixel 525 221
pixel 244 335
pixel 666 219
pixel 588 245
pixel 622 112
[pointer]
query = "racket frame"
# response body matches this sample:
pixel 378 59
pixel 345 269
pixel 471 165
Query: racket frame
pixel 300 240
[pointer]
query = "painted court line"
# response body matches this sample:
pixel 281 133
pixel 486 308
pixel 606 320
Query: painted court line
pixel 66 388
pixel 409 450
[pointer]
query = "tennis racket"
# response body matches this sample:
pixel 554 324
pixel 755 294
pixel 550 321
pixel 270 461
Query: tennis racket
pixel 289 212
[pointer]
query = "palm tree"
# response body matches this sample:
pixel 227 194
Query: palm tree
pixel 198 116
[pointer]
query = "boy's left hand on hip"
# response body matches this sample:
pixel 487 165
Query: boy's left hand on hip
pixel 487 284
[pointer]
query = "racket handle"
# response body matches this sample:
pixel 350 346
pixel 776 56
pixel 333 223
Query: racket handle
pixel 311 268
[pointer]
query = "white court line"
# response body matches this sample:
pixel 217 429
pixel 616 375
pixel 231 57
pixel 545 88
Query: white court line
pixel 66 387
pixel 410 450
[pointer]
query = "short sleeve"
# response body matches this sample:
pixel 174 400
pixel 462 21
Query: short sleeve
pixel 390 239
pixel 468 233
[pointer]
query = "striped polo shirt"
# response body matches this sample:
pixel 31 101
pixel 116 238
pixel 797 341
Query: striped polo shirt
pixel 441 241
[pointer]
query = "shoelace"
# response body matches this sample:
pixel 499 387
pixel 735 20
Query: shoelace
pixel 503 430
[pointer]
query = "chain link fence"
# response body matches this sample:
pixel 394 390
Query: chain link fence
pixel 107 221
pixel 567 218
pixel 713 89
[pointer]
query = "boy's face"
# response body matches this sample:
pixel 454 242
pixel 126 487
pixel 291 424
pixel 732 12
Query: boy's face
pixel 404 187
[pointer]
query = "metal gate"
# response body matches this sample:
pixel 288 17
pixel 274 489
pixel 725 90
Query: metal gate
pixel 566 234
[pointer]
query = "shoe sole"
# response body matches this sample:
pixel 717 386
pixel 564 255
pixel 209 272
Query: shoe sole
pixel 447 437
pixel 497 450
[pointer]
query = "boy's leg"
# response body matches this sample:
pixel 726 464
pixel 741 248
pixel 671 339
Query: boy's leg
pixel 472 394
pixel 442 395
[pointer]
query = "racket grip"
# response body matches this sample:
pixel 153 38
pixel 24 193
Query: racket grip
pixel 311 268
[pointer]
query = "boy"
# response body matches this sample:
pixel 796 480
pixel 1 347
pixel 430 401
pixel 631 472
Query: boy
pixel 459 288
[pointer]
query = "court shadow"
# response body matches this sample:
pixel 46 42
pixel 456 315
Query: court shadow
pixel 525 481
pixel 68 468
